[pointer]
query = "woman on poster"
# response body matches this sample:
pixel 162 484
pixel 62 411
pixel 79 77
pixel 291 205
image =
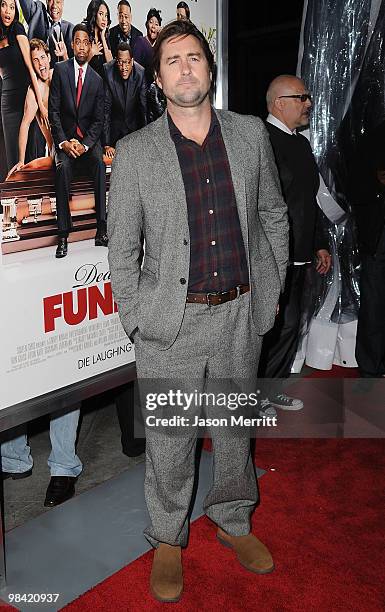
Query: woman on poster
pixel 144 51
pixel 144 48
pixel 98 21
pixel 17 73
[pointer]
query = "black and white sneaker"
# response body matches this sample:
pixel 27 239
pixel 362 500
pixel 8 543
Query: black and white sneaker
pixel 266 409
pixel 285 402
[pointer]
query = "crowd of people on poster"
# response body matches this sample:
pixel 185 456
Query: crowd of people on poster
pixel 35 37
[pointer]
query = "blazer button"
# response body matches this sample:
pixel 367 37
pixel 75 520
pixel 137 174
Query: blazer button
pixel 185 242
pixel 182 281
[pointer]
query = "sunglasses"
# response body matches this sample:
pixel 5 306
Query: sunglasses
pixel 302 97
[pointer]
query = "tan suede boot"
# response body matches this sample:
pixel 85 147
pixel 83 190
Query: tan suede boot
pixel 252 553
pixel 166 581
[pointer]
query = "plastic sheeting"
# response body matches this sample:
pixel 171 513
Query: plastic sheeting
pixel 341 42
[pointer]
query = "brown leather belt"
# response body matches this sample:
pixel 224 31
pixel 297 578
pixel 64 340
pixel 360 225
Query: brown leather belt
pixel 213 299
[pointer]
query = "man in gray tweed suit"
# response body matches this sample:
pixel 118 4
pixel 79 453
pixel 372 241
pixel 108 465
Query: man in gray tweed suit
pixel 201 186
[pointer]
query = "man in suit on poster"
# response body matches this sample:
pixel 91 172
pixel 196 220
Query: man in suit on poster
pixel 289 104
pixel 76 113
pixel 46 23
pixel 125 106
pixel 193 182
pixel 124 31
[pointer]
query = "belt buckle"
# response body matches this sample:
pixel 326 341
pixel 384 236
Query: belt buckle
pixel 208 297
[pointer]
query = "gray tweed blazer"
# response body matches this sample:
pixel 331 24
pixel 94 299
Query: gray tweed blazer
pixel 147 198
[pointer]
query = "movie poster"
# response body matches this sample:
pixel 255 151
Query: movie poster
pixel 59 323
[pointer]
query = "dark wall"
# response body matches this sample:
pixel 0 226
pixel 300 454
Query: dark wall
pixel 262 45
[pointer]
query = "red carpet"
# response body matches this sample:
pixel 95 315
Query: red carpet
pixel 322 516
pixel 335 372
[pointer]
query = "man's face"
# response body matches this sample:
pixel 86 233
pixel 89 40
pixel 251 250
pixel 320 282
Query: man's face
pixel 124 63
pixel 40 62
pixel 81 47
pixel 294 112
pixel 55 9
pixel 181 14
pixel 125 18
pixel 184 73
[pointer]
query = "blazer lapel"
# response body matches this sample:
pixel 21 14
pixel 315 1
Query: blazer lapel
pixel 64 28
pixel 236 160
pixel 167 153
pixel 71 78
pixel 131 89
pixel 119 90
pixel 130 86
pixel 86 85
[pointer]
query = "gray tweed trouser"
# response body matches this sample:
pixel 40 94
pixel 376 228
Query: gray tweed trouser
pixel 217 342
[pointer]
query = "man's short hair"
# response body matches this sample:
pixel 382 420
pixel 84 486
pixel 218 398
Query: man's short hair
pixel 185 6
pixel 184 28
pixel 80 27
pixel 124 3
pixel 124 46
pixel 37 44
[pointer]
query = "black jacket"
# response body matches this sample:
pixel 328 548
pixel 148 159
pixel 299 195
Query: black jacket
pixel 366 188
pixel 116 36
pixel 125 111
pixel 64 116
pixel 39 26
pixel 298 173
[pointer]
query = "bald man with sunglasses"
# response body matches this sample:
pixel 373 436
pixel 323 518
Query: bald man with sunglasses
pixel 289 104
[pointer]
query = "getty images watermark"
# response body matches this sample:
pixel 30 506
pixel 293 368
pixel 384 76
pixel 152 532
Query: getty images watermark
pixel 196 403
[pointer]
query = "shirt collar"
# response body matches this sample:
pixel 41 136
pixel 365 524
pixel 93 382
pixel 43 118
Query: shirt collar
pixel 77 66
pixel 175 132
pixel 52 22
pixel 278 124
pixel 123 35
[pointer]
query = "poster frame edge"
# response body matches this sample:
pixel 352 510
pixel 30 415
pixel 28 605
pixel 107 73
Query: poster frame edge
pixel 65 397
pixel 222 19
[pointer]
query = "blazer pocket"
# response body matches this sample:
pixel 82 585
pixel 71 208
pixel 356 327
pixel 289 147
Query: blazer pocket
pixel 150 267
pixel 148 272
